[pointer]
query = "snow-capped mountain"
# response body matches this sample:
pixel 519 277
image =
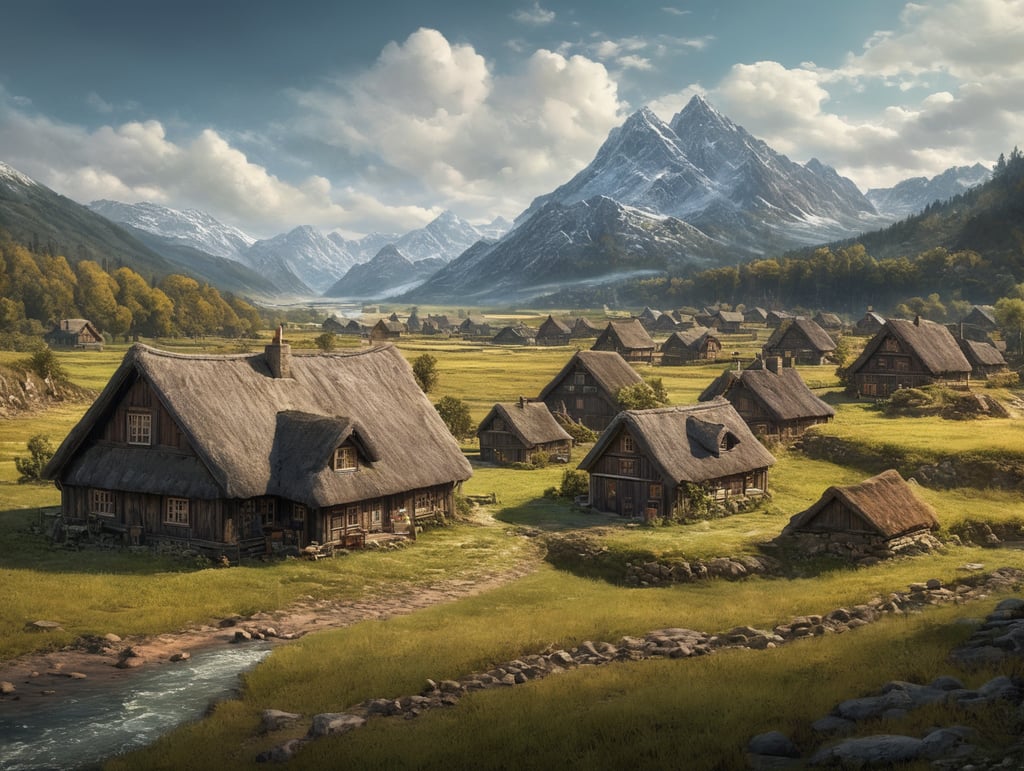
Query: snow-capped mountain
pixel 561 245
pixel 13 179
pixel 446 237
pixel 912 195
pixel 388 273
pixel 189 227
pixel 305 252
pixel 704 169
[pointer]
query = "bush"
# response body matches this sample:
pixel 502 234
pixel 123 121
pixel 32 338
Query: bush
pixel 327 341
pixel 44 363
pixel 40 450
pixel 580 433
pixel 574 483
pixel 424 369
pixel 1003 380
pixel 455 414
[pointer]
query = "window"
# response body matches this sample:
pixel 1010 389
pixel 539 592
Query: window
pixel 176 511
pixel 891 345
pixel 140 428
pixel 298 512
pixel 345 458
pixel 654 491
pixel 881 363
pixel 627 466
pixel 902 365
pixel 579 378
pixel 627 443
pixel 728 441
pixel 101 503
pixel 352 515
pixel 376 516
pixel 422 503
pixel 579 404
pixel 267 508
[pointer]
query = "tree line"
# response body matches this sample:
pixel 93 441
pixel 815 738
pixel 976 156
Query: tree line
pixel 38 289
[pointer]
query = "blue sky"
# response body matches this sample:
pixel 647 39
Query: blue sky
pixel 269 115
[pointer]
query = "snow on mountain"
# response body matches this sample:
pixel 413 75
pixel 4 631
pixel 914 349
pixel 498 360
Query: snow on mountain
pixel 318 261
pixel 446 237
pixel 12 175
pixel 912 195
pixel 568 244
pixel 495 229
pixel 389 272
pixel 189 227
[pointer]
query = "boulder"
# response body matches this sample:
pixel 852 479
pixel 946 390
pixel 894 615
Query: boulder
pixel 333 723
pixel 275 719
pixel 773 743
pixel 870 752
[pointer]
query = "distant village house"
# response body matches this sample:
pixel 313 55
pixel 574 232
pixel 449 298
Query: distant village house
pixel 519 431
pixel 74 333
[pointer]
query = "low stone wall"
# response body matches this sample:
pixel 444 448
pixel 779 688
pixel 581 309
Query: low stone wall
pixel 861 549
pixel 669 643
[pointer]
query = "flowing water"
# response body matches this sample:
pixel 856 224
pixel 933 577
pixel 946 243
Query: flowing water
pixel 103 720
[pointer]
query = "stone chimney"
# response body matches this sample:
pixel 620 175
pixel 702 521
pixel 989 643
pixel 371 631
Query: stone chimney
pixel 279 356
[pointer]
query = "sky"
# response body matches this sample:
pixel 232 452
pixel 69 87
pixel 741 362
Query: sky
pixel 378 116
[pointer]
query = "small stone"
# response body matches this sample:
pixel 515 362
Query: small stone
pixel 110 637
pixel 181 656
pixel 7 688
pixel 275 719
pixel 77 676
pixel 333 723
pixel 773 743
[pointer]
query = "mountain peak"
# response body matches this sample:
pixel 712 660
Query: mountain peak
pixel 9 172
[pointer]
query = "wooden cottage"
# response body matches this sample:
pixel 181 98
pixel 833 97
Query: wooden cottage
pixel 755 315
pixel 869 324
pixel 74 333
pixel 334 325
pixel 519 334
pixel 649 463
pixel 553 332
pixel 666 323
pixel 984 358
pixel 629 339
pixel 648 317
pixel 688 345
pixel 683 319
pixel 587 387
pixel 514 433
pixel 475 326
pixel 879 517
pixel 229 454
pixel 771 398
pixel 908 354
pixel 727 322
pixel 982 317
pixel 801 340
pixel 584 327
pixel 385 330
pixel 830 322
pixel 775 319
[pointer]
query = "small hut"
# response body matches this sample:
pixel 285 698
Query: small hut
pixel 553 332
pixel 584 327
pixel 880 517
pixel 385 330
pixel 802 340
pixel 518 334
pixel 687 345
pixel 984 358
pixel 869 324
pixel 627 338
pixel 74 333
pixel 727 322
pixel 516 432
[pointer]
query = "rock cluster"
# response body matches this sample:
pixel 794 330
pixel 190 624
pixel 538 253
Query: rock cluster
pixel 1001 635
pixel 672 643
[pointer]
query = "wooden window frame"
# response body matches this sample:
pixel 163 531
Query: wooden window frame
pixel 139 428
pixel 101 503
pixel 176 511
pixel 267 508
pixel 298 512
pixel 627 443
pixel 345 458
pixel 627 467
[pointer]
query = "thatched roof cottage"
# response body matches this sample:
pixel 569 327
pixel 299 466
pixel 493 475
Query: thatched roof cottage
pixel 74 333
pixel 221 452
pixel 696 344
pixel 879 517
pixel 649 463
pixel 984 358
pixel 553 332
pixel 908 354
pixel 515 432
pixel 587 387
pixel 627 338
pixel 800 339
pixel 771 398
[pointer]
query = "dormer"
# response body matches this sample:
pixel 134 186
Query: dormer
pixel 715 438
pixel 345 458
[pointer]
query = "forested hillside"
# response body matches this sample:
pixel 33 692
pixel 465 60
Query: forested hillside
pixel 38 289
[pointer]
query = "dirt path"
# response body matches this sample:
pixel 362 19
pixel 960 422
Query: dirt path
pixel 57 675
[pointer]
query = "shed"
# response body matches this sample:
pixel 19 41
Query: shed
pixel 801 340
pixel 878 517
pixel 984 358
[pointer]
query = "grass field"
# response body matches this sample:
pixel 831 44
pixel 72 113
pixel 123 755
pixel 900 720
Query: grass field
pixel 693 714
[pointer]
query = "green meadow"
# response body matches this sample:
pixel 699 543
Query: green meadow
pixel 692 714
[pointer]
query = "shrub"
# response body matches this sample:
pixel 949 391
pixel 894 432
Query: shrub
pixel 455 414
pixel 580 433
pixel 1003 380
pixel 40 450
pixel 327 341
pixel 574 483
pixel 44 363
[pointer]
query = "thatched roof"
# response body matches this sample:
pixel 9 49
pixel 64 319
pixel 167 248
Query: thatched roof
pixel 828 320
pixel 608 368
pixel 530 422
pixel 730 317
pixel 684 442
pixel 629 335
pixel 584 327
pixel 756 313
pixel 554 327
pixel 254 434
pixel 885 503
pixel 780 390
pixel 932 343
pixel 691 338
pixel 982 314
pixel 817 338
pixel 517 333
pixel 981 354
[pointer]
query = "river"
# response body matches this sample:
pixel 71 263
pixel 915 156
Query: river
pixel 100 721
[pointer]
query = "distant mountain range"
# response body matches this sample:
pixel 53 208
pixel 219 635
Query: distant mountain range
pixel 658 197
